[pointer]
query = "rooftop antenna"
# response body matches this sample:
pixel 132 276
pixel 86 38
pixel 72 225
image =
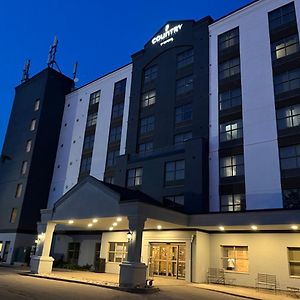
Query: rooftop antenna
pixel 51 56
pixel 25 75
pixel 75 79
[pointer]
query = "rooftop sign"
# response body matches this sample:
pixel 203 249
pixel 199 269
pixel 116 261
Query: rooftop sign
pixel 166 36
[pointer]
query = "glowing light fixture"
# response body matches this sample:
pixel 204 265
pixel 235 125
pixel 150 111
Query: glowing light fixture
pixel 90 225
pixel 129 236
pixel 111 228
pixel 95 220
pixel 159 227
pixel 115 224
pixel 222 228
pixel 119 219
pixel 254 227
pixel 294 227
pixel 71 221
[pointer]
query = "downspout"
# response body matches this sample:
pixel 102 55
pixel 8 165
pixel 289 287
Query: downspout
pixel 191 269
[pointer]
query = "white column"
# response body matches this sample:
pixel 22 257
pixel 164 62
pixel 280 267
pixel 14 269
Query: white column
pixel 41 262
pixel 133 273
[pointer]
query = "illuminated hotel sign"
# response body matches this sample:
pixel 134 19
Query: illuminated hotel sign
pixel 166 37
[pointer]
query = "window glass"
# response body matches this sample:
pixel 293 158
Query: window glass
pixel 291 198
pixel 235 258
pixel 294 260
pixel 230 98
pixel 182 137
pixel 150 74
pixel 88 142
pixel 28 145
pixel 233 202
pixel 134 177
pixel 33 125
pixel 94 98
pixel 109 179
pixel 184 85
pixel 282 15
pixel 147 124
pixel 287 81
pixel 73 253
pixel 13 215
pixel 229 68
pixel 24 167
pixel 290 157
pixel 185 58
pixel 85 166
pixel 231 130
pixel 117 252
pixel 228 39
pixel 145 148
pixel 91 120
pixel 149 98
pixel 288 117
pixel 174 170
pixel 120 87
pixel 117 111
pixel 19 190
pixel 115 134
pixel 111 158
pixel 285 47
pixel 183 113
pixel 176 200
pixel 37 105
pixel 231 166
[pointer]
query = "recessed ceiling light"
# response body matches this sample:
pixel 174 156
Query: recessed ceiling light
pixel 119 219
pixel 221 228
pixel 294 227
pixel 115 224
pixel 159 227
pixel 71 221
pixel 254 227
pixel 90 225
pixel 111 228
pixel 95 220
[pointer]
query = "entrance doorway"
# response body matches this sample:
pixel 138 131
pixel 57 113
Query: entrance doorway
pixel 168 260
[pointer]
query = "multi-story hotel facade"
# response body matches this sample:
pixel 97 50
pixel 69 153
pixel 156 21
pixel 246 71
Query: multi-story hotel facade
pixel 187 158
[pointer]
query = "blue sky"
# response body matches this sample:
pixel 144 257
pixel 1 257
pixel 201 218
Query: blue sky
pixel 100 34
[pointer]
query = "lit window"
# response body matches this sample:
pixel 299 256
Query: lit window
pixel 183 113
pixel 235 202
pixel 229 39
pixel 184 85
pixel 24 167
pixel 150 74
pixel 28 145
pixel 37 105
pixel 285 47
pixel 288 117
pixel 230 98
pixel 120 87
pixel 231 166
pixel 235 258
pixel 91 120
pixel 185 58
pixel 282 15
pixel 229 68
pixel 13 215
pixel 134 177
pixel 182 137
pixel 174 170
pixel 117 252
pixel 147 124
pixel 148 98
pixel 294 260
pixel 291 198
pixel 231 130
pixel 287 81
pixel 19 190
pixel 95 98
pixel 115 134
pixel 117 110
pixel 290 157
pixel 33 125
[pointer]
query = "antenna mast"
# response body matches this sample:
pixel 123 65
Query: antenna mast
pixel 75 71
pixel 51 56
pixel 25 75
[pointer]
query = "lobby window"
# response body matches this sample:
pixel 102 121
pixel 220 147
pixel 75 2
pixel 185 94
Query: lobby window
pixel 282 15
pixel 73 253
pixel 229 68
pixel 85 165
pixel 37 105
pixel 235 258
pixel 88 142
pixel 150 74
pixel 184 85
pixel 231 130
pixel 148 98
pixel 147 124
pixel 115 134
pixel 134 177
pixel 182 137
pixel 288 117
pixel 285 47
pixel 109 179
pixel 287 81
pixel 230 98
pixel 24 167
pixel 228 39
pixel 174 170
pixel 33 125
pixel 233 202
pixel 117 110
pixel 111 158
pixel 145 148
pixel 120 87
pixel 91 120
pixel 176 200
pixel 185 58
pixel 294 260
pixel 95 98
pixel 117 252
pixel 183 113
pixel 231 166
pixel 13 215
pixel 28 145
pixel 19 190
pixel 290 157
pixel 291 198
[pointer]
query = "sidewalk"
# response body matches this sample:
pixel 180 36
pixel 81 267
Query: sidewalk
pixel 250 293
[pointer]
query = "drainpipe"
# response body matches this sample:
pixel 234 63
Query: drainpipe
pixel 191 269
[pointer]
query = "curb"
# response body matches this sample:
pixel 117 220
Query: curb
pixel 128 290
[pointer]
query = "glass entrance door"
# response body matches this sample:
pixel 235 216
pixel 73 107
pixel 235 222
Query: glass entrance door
pixel 167 259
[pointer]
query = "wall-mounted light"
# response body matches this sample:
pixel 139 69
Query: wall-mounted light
pixel 129 236
pixel 159 227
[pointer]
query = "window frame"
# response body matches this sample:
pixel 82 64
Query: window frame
pixel 91 119
pixel 174 172
pixel 184 113
pixel 117 110
pixel 13 215
pixel 94 98
pixel 185 58
pixel 37 104
pixel 123 253
pixel 230 99
pixel 285 47
pixel 184 85
pixel 181 138
pixel 230 37
pixel 290 117
pixel 284 82
pixel 232 133
pixel 85 164
pixel 237 204
pixel 134 177
pixel 234 257
pixel 115 134
pixel 75 252
pixel 282 13
pixel 145 148
pixel 147 125
pixel 120 87
pixel 111 158
pixel 233 167
pixel 295 157
pixel 150 74
pixel 33 125
pixel 148 98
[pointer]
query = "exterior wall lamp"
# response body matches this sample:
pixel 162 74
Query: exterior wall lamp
pixel 129 236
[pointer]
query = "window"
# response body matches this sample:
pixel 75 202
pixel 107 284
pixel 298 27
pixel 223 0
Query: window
pixel 177 200
pixel 291 198
pixel 134 177
pixel 228 39
pixel 149 98
pixel 235 258
pixel 13 215
pixel 91 120
pixel 287 81
pixel 282 15
pixel 120 87
pixel 230 98
pixel 174 170
pixel 85 165
pixel 73 253
pixel 115 134
pixel 33 125
pixel 231 130
pixel 19 190
pixel 109 179
pixel 150 74
pixel 184 85
pixel 37 105
pixel 28 145
pixel 229 68
pixel 235 202
pixel 145 148
pixel 117 252
pixel 288 117
pixel 285 47
pixel 24 167
pixel 95 98
pixel 147 124
pixel 88 143
pixel 1 246
pixel 231 166
pixel 183 113
pixel 111 158
pixel 290 157
pixel 294 260
pixel 182 137
pixel 117 110
pixel 185 58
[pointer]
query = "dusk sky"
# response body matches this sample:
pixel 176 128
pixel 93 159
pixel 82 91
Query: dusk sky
pixel 100 35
